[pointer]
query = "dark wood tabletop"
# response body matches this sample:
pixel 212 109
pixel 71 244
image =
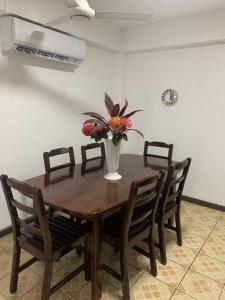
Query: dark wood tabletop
pixel 83 191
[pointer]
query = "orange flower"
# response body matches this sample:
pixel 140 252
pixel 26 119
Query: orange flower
pixel 115 122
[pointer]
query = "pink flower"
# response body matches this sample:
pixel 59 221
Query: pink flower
pixel 126 122
pixel 87 128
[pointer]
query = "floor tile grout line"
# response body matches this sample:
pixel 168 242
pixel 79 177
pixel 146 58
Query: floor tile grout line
pixel 208 277
pixel 135 281
pixel 180 282
pixel 221 293
pixel 189 268
pixel 70 297
pixel 53 273
pixel 2 296
pixel 6 249
pixel 30 290
pixel 215 258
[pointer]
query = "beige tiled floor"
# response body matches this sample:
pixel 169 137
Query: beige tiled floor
pixel 194 271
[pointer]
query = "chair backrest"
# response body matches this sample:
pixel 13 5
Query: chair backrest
pixel 174 185
pixel 55 152
pixel 159 145
pixel 143 201
pixel 92 146
pixel 21 228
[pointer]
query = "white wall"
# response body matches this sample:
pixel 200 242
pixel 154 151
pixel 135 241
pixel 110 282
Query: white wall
pixel 41 108
pixel 196 124
pixel 189 31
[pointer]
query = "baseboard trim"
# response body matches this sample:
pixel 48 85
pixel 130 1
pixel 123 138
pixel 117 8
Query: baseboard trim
pixel 5 231
pixel 203 203
pixel 8 229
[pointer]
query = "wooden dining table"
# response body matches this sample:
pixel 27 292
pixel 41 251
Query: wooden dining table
pixel 82 192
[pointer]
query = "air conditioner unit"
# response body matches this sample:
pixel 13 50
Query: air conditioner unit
pixel 25 37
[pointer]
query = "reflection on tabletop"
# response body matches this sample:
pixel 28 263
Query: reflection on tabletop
pixel 92 165
pixel 51 177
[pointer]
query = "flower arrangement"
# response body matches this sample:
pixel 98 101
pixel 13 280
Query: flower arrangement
pixel 117 126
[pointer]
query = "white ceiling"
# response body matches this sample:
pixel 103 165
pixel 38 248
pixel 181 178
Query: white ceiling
pixel 160 9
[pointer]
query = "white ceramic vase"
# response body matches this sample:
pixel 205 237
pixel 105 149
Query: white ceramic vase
pixel 113 158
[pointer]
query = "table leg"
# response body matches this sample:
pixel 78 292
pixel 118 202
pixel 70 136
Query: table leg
pixel 96 251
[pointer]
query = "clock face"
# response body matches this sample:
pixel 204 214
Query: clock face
pixel 169 97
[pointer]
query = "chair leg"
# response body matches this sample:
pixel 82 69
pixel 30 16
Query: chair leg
pixel 87 261
pixel 15 269
pixel 151 245
pixel 162 243
pixel 47 280
pixel 78 249
pixel 171 221
pixel 178 228
pixel 124 273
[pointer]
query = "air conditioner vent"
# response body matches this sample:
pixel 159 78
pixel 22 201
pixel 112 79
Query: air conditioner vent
pixel 33 51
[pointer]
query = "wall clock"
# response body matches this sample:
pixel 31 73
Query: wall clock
pixel 170 97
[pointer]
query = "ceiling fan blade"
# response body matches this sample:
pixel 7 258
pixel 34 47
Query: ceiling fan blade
pixel 130 16
pixel 76 3
pixel 69 3
pixel 58 21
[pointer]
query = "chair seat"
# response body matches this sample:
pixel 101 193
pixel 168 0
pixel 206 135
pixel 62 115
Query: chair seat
pixel 65 234
pixel 113 226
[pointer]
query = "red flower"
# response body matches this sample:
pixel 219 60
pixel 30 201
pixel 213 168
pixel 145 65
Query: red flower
pixel 87 128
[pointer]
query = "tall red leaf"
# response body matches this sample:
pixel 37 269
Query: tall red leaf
pixel 124 108
pixel 132 113
pixel 96 121
pixel 97 116
pixel 109 104
pixel 116 110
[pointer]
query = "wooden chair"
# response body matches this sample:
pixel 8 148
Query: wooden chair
pixel 159 145
pixel 55 152
pixel 47 238
pixel 139 215
pixel 84 150
pixel 169 205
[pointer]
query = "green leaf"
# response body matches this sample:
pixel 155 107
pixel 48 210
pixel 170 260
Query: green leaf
pixel 124 137
pixel 116 139
pixel 104 135
pixel 98 138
